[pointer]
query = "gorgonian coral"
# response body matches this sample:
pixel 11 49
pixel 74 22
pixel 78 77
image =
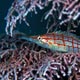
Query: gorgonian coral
pixel 28 61
pixel 66 10
pixel 24 59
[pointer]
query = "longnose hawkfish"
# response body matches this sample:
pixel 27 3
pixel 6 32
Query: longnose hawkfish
pixel 62 42
pixel 55 41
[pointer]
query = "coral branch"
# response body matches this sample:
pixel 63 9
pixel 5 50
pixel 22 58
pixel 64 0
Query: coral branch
pixel 69 9
pixel 30 61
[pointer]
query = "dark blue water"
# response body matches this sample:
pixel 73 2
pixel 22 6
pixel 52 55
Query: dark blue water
pixel 36 26
pixel 4 5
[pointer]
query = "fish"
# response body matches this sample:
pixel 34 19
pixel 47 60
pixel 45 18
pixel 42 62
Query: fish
pixel 60 42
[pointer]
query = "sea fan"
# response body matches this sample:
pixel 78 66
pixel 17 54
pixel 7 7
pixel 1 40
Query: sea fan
pixel 25 60
pixel 62 12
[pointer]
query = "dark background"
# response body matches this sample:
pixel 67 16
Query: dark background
pixel 36 26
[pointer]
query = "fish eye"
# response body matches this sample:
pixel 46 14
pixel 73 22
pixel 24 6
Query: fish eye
pixel 39 38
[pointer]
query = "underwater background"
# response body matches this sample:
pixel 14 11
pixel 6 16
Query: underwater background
pixel 36 26
pixel 44 54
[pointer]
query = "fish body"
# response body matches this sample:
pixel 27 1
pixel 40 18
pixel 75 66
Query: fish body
pixel 57 42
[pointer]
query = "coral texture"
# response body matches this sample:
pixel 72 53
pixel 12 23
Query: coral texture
pixel 61 11
pixel 25 60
